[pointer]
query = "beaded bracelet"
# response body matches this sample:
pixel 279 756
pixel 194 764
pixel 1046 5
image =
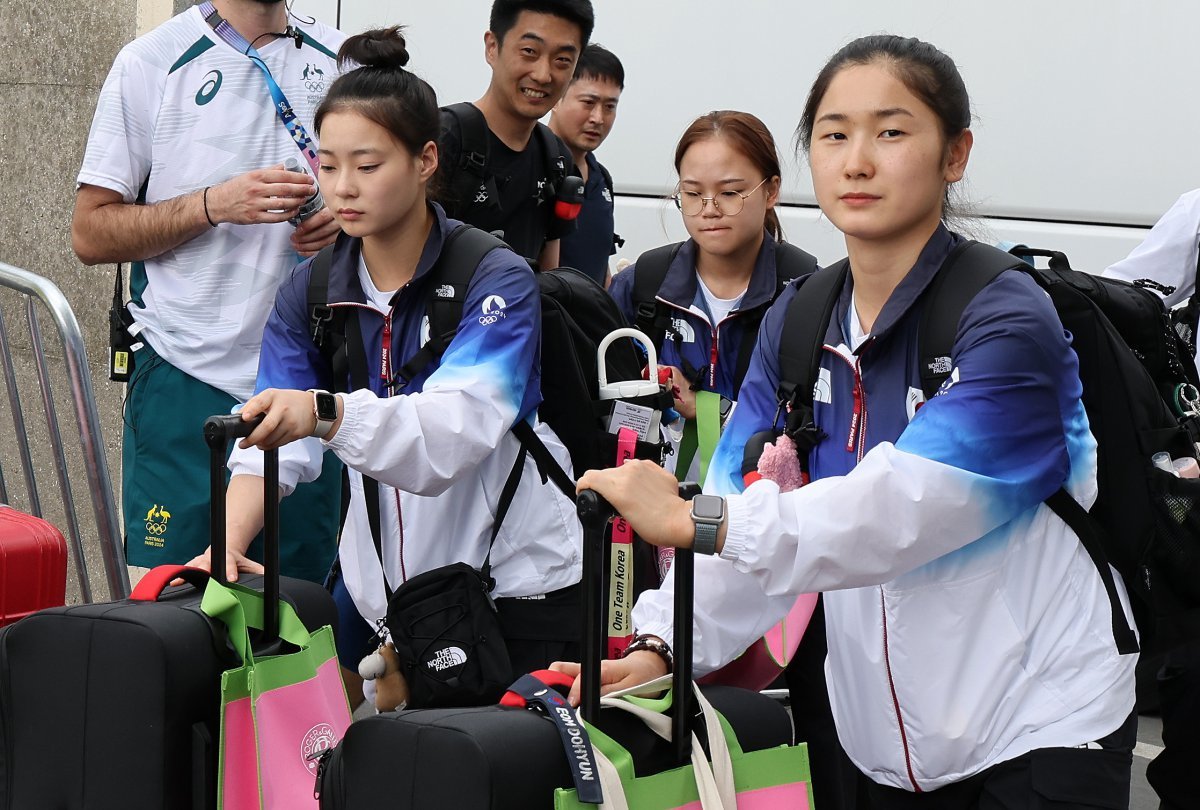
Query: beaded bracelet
pixel 652 644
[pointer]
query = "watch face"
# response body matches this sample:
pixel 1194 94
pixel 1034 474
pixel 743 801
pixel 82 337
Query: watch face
pixel 708 507
pixel 326 407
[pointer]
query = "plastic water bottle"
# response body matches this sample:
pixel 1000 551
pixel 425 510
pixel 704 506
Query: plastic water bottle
pixel 313 204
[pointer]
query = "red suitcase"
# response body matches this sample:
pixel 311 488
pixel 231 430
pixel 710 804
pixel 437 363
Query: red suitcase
pixel 33 565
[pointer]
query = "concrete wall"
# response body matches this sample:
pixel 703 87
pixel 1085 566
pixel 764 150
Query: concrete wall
pixel 54 55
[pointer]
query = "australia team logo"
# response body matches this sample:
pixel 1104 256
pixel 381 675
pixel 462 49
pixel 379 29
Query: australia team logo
pixel 314 82
pixel 208 90
pixel 314 78
pixel 156 526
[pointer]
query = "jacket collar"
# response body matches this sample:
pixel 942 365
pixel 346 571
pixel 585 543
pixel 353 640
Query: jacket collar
pixel 680 285
pixel 906 294
pixel 344 285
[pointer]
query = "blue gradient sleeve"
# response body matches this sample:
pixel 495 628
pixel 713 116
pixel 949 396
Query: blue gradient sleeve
pixel 1011 411
pixel 497 347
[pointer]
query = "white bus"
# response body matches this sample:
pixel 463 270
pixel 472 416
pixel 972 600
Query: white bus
pixel 1086 121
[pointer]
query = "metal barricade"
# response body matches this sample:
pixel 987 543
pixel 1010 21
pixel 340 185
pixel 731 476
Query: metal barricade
pixel 34 288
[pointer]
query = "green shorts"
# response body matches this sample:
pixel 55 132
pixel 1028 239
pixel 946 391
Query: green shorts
pixel 165 481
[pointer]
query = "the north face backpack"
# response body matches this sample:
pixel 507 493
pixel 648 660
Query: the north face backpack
pixel 577 314
pixel 1140 393
pixel 653 317
pixel 465 178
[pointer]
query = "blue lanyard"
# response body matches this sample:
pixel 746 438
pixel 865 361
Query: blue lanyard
pixel 283 108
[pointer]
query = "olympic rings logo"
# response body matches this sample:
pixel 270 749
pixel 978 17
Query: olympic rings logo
pixel 156 528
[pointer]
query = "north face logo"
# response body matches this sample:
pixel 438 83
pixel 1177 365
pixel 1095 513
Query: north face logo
pixel 444 291
pixel 445 658
pixel 939 365
pixel 684 329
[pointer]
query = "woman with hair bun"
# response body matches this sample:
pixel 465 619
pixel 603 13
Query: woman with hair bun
pixel 972 659
pixel 436 448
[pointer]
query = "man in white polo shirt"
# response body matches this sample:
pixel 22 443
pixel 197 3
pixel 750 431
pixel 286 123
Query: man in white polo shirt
pixel 183 177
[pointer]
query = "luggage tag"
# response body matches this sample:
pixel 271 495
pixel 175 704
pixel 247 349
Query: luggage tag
pixel 531 692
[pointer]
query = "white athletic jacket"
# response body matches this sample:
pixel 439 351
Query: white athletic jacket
pixel 442 450
pixel 966 623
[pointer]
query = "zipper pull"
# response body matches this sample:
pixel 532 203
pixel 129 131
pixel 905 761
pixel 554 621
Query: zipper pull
pixel 712 363
pixel 856 417
pixel 322 758
pixel 385 361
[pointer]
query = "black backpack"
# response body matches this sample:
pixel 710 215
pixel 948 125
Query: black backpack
pixel 653 317
pixel 1133 365
pixel 577 313
pixel 1185 319
pixel 463 179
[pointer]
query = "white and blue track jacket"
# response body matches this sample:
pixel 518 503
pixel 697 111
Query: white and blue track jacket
pixel 966 623
pixel 441 451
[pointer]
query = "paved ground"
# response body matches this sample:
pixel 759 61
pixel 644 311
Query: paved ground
pixel 1141 797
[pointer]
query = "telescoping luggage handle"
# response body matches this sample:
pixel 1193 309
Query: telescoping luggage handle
pixel 219 431
pixel 595 513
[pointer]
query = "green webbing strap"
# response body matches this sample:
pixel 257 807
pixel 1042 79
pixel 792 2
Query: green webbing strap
pixel 702 434
pixel 687 450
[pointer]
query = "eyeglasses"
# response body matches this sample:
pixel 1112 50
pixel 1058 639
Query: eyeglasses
pixel 729 203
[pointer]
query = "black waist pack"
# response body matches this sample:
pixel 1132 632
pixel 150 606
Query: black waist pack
pixel 447 635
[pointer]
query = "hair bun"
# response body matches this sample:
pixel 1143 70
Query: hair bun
pixel 378 48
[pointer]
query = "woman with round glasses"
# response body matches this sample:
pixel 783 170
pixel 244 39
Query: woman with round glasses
pixel 701 301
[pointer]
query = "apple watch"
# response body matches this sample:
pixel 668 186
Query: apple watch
pixel 325 409
pixel 708 513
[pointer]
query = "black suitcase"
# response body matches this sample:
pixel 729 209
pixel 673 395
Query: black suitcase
pixel 497 758
pixel 116 705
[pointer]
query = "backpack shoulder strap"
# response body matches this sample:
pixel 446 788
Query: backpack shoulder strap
pixel 648 274
pixel 607 175
pixel 556 157
pixel 969 268
pixel 791 262
pixel 447 282
pixel 326 328
pixel 470 171
pixel 800 344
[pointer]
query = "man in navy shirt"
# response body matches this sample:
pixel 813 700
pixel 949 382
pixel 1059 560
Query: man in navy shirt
pixel 583 119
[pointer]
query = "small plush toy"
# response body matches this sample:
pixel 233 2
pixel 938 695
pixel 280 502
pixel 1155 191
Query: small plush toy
pixel 780 463
pixel 383 667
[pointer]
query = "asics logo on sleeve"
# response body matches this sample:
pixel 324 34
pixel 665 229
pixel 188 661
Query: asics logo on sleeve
pixel 493 310
pixel 212 83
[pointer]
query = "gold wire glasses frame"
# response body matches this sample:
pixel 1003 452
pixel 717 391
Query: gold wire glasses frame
pixel 691 203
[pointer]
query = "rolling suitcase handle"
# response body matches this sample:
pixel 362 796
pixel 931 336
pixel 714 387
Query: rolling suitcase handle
pixel 595 513
pixel 219 431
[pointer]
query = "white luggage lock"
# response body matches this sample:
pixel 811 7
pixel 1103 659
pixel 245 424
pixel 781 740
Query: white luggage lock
pixel 627 389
